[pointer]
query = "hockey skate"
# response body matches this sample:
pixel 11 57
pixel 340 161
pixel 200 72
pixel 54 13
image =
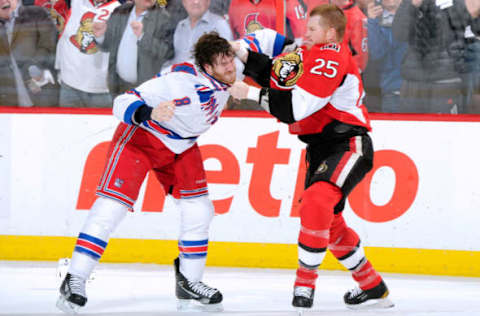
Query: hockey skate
pixel 302 298
pixel 374 298
pixel 195 295
pixel 72 294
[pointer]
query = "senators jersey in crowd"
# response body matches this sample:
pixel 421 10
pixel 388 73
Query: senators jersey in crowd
pixel 297 15
pixel 248 16
pixel 356 34
pixel 82 65
pixel 58 11
pixel 325 85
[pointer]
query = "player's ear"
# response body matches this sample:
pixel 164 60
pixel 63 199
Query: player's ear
pixel 332 35
pixel 208 68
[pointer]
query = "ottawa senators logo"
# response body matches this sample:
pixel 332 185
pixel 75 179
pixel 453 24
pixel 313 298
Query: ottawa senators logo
pixel 287 69
pixel 162 3
pixel 84 39
pixel 252 24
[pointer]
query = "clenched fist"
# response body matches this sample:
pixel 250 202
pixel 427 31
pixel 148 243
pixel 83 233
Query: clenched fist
pixel 239 90
pixel 164 111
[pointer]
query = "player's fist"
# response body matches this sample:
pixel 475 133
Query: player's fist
pixel 137 28
pixel 239 50
pixel 164 111
pixel 239 90
pixel 99 28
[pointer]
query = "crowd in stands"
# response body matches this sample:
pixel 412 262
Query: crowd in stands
pixel 415 56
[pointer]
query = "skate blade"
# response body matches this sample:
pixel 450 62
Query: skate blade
pixel 373 304
pixel 196 306
pixel 66 306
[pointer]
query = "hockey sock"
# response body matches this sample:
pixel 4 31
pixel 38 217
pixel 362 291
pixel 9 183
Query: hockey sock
pixel 316 215
pixel 196 215
pixel 345 246
pixel 103 218
pixel 193 256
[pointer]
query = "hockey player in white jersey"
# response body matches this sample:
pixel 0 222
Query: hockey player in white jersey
pixel 161 121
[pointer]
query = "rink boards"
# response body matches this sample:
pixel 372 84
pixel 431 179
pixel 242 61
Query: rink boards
pixel 416 212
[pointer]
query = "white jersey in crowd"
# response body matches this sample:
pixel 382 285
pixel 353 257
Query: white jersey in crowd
pixel 81 63
pixel 199 101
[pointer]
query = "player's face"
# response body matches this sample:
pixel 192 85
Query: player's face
pixel 316 32
pixel 223 69
pixel 196 8
pixel 6 8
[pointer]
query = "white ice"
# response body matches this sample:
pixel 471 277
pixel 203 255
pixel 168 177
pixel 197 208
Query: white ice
pixel 31 288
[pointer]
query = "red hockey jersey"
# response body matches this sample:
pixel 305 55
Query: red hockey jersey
pixel 246 16
pixel 328 87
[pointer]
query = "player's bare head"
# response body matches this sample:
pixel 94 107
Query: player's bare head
pixel 208 47
pixel 331 16
pixel 214 54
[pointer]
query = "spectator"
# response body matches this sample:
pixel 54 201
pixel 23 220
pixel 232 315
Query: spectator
pixel 176 10
pixel 139 39
pixel 199 21
pixel 58 10
pixel 356 32
pixel 472 101
pixel 296 16
pixel 220 7
pixel 82 66
pixel 27 54
pixel 435 60
pixel 388 52
pixel 247 16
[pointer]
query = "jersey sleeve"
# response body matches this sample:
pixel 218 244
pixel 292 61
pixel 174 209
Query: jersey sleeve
pixel 265 41
pixel 150 93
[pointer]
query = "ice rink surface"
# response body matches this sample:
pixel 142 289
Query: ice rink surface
pixel 31 288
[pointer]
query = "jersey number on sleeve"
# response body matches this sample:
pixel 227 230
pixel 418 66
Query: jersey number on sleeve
pixel 325 68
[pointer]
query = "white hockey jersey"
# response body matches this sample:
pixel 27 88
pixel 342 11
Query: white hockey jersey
pixel 199 100
pixel 81 63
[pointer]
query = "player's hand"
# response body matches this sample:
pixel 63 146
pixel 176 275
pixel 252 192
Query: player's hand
pixel 239 50
pixel 374 11
pixel 137 28
pixel 164 111
pixel 239 90
pixel 99 28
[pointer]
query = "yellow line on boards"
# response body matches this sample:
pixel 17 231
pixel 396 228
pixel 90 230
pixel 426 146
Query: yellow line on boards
pixel 242 254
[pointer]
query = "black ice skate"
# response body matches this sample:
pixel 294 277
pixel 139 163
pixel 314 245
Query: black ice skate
pixel 72 294
pixel 303 297
pixel 376 297
pixel 189 292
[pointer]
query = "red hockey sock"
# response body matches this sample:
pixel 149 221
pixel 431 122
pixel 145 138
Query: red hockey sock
pixel 366 276
pixel 306 277
pixel 345 246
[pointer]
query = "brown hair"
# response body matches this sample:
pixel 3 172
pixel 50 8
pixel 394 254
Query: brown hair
pixel 209 46
pixel 333 17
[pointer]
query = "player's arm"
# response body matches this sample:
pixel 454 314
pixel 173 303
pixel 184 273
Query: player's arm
pixel 322 75
pixel 143 104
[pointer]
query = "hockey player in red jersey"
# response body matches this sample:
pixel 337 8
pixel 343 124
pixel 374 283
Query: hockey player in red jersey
pixel 318 91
